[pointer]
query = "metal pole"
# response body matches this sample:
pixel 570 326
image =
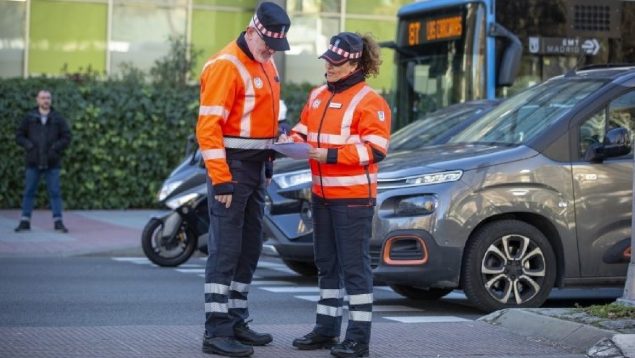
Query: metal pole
pixel 629 288
pixel 109 37
pixel 27 39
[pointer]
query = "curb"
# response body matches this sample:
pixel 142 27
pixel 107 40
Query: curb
pixel 526 322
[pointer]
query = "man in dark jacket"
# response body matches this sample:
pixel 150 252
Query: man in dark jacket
pixel 44 134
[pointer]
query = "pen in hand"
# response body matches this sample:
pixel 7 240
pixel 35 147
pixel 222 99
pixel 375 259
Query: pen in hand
pixel 283 138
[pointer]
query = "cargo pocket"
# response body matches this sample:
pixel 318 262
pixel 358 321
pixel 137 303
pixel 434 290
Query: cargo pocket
pixel 359 220
pixel 218 209
pixel 360 211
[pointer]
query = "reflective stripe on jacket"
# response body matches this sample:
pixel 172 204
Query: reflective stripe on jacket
pixel 238 113
pixel 355 126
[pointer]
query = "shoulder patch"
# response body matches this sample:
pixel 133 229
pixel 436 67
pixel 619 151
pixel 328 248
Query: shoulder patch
pixel 381 115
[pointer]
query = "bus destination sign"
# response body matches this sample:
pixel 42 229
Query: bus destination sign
pixel 438 29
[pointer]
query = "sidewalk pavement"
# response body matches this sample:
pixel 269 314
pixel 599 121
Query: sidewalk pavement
pixel 552 333
pixel 90 232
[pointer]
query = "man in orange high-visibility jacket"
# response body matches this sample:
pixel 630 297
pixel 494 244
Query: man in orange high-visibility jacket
pixel 237 123
pixel 348 126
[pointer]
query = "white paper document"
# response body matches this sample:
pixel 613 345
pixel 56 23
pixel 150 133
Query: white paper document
pixel 293 150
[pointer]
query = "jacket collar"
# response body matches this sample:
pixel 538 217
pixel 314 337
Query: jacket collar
pixel 242 44
pixel 35 111
pixel 346 82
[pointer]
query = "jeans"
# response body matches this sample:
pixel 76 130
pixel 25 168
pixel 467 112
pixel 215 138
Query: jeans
pixel 32 179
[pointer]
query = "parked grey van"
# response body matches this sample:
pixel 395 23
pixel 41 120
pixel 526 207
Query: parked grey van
pixel 536 193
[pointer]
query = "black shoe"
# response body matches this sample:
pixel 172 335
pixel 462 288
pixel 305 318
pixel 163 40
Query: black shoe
pixel 350 348
pixel 59 226
pixel 226 346
pixel 248 336
pixel 24 225
pixel 314 340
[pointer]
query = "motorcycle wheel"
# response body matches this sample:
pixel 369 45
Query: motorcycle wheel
pixel 167 254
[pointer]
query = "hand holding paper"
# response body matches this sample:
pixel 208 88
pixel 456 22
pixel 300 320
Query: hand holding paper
pixel 293 150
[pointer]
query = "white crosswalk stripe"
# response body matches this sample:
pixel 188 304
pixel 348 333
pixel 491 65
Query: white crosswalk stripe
pixel 191 270
pixel 283 286
pixel 427 319
pixel 271 282
pixel 290 289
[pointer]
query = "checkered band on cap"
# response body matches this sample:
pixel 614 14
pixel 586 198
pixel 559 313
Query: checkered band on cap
pixel 344 53
pixel 261 28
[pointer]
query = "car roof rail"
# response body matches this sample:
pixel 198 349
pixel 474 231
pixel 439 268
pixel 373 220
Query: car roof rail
pixel 605 65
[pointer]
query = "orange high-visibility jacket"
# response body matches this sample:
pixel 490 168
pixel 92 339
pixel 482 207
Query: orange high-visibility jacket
pixel 238 113
pixel 355 127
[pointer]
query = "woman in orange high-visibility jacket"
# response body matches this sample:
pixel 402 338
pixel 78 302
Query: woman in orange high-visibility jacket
pixel 237 123
pixel 348 126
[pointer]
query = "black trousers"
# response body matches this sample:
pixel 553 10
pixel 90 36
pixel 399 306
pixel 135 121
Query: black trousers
pixel 341 242
pixel 234 245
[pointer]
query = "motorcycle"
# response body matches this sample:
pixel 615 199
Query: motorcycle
pixel 171 238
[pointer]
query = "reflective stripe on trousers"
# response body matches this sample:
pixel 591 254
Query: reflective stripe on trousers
pixel 341 241
pixel 233 254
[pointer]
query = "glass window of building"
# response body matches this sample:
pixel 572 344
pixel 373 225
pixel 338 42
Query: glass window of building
pixel 141 30
pixel 315 21
pixel 215 23
pixel 12 38
pixel 308 38
pixel 76 45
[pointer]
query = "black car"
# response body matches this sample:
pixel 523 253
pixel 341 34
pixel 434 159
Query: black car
pixel 288 224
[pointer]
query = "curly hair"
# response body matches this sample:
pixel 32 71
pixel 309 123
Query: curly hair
pixel 370 61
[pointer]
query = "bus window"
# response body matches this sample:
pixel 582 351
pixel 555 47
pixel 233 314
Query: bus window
pixel 440 60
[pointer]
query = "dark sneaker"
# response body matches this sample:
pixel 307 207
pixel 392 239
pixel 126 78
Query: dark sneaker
pixel 248 336
pixel 314 340
pixel 226 346
pixel 59 226
pixel 350 348
pixel 24 225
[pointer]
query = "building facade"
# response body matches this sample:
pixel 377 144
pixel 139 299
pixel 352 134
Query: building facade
pixel 47 37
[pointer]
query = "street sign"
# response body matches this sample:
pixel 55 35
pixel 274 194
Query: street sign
pixel 563 46
pixel 591 47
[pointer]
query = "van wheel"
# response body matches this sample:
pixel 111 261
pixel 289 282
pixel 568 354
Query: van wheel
pixel 508 264
pixel 416 293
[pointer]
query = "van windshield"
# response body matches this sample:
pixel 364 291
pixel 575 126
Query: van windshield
pixel 529 113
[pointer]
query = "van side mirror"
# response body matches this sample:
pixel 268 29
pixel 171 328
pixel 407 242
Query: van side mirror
pixel 510 59
pixel 617 142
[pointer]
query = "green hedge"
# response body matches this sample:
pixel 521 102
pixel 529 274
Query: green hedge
pixel 126 138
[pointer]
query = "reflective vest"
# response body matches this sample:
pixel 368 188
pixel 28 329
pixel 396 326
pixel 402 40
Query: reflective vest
pixel 238 113
pixel 355 123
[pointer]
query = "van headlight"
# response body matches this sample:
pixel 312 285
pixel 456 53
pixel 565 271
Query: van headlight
pixel 435 178
pixel 287 180
pixel 415 205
